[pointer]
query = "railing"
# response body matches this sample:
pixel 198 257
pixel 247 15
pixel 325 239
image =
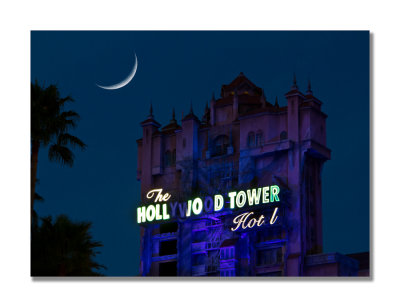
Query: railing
pixel 213 245
pixel 199 269
pixel 211 223
pixel 212 268
pixel 198 246
pixel 199 225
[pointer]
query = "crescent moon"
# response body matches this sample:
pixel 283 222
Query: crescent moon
pixel 123 82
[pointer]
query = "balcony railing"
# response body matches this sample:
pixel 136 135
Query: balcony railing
pixel 199 226
pixel 212 268
pixel 213 245
pixel 198 247
pixel 199 269
pixel 211 223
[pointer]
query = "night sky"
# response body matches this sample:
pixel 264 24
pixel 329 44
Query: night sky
pixel 175 68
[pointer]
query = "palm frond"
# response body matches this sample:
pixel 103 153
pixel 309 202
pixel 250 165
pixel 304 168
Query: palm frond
pixel 64 248
pixel 39 198
pixel 65 139
pixel 62 154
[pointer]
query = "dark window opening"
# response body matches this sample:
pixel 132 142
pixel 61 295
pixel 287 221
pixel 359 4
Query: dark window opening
pixel 167 158
pixel 168 227
pixel 170 158
pixel 221 145
pixel 283 135
pixel 168 248
pixel 168 268
pixel 259 138
pixel 251 139
pixel 269 256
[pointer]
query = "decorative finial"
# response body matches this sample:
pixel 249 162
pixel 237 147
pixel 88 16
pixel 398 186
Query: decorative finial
pixel 309 91
pixel 276 102
pixel 294 86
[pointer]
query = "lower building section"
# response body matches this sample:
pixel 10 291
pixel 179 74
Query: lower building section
pixel 206 247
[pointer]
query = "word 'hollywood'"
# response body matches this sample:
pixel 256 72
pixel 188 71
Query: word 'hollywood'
pixel 159 210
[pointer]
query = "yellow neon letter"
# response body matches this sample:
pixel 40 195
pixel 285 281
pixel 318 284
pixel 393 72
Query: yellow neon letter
pixel 232 201
pixel 218 202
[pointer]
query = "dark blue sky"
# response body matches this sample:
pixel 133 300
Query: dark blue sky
pixel 175 68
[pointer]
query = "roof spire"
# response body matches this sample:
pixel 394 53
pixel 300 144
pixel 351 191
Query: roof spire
pixel 276 102
pixel 294 86
pixel 190 115
pixel 309 91
pixel 150 118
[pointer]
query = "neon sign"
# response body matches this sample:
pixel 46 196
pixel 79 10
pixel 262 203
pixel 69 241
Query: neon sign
pixel 160 211
pixel 243 221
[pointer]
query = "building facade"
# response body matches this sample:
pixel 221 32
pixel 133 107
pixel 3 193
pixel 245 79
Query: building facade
pixel 242 141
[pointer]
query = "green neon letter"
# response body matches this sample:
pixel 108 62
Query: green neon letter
pixel 158 213
pixel 218 202
pixel 189 208
pixel 265 195
pixel 141 214
pixel 197 206
pixel 232 201
pixel 165 213
pixel 274 193
pixel 150 213
pixel 241 199
pixel 253 196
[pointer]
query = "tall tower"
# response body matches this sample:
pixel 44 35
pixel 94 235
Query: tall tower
pixel 242 142
pixel 306 131
pixel 147 154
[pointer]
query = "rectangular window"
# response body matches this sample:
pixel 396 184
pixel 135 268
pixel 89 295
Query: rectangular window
pixel 168 248
pixel 168 227
pixel 269 256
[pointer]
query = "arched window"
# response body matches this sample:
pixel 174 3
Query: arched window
pixel 221 145
pixel 251 139
pixel 283 135
pixel 168 158
pixel 259 138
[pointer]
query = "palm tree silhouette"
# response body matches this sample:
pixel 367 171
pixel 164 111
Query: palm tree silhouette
pixel 50 125
pixel 63 248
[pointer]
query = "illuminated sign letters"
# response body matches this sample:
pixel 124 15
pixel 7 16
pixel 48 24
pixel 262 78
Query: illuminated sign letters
pixel 252 197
